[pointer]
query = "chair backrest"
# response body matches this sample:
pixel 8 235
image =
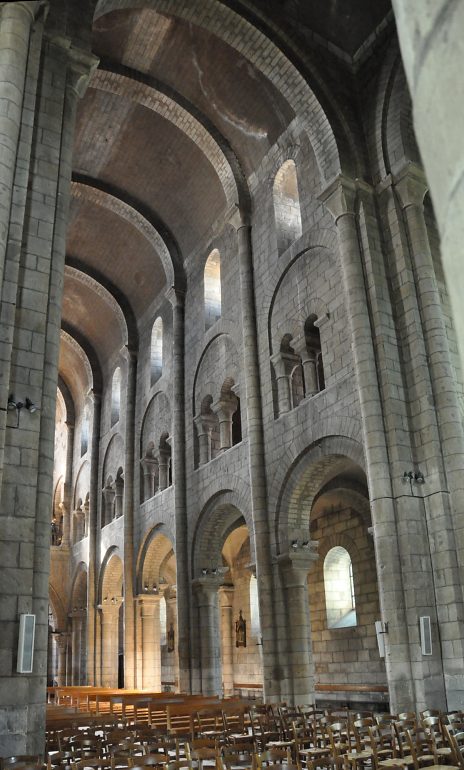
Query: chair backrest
pixel 455 741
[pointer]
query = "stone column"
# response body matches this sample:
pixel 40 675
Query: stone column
pixel 118 497
pixel 431 46
pixel 271 667
pixel 15 27
pixel 204 427
pixel 309 363
pixel 340 198
pixel 206 590
pixel 44 158
pixel 294 568
pixel 226 601
pixel 67 492
pixel 129 503
pixel 149 468
pixel 110 641
pixel 93 639
pixel 171 617
pixel 76 642
pixel 151 642
pixel 284 387
pixel 108 506
pixel 62 641
pixel 225 408
pixel 164 458
pixel 444 450
pixel 180 502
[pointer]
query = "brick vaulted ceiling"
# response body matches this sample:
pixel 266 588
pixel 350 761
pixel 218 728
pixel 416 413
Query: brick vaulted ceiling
pixel 186 100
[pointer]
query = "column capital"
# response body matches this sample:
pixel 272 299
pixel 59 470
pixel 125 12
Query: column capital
pixel 279 361
pixel 81 64
pixel 224 407
pixel 130 354
pixel 296 563
pixel 410 185
pixel 62 638
pixel 240 219
pixel 208 584
pixel 340 196
pixel 300 347
pixel 149 464
pixel 148 603
pixel 176 297
pixel 110 605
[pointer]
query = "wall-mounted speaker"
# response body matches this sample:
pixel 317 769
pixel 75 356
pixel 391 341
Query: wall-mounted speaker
pixel 380 630
pixel 26 644
pixel 426 635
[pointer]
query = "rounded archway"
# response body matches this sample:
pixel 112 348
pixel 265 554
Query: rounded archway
pixel 157 627
pixel 111 621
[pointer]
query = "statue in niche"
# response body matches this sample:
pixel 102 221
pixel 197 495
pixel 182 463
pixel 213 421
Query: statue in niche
pixel 240 631
pixel 171 638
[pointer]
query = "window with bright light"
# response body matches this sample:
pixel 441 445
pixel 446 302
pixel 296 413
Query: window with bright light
pixel 212 282
pixel 287 206
pixel 116 396
pixel 339 589
pixel 156 357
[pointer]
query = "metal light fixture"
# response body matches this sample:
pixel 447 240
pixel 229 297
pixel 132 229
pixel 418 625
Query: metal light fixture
pixel 13 405
pixel 416 477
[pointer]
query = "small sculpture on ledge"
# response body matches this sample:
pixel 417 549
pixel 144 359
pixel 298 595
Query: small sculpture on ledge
pixel 240 631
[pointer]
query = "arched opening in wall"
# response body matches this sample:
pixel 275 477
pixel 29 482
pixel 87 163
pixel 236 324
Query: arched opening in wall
pixel 229 416
pixel 212 288
pixel 78 615
pixel 287 206
pixel 293 370
pixel 237 424
pixel 119 494
pixel 157 666
pixel 342 584
pixel 85 430
pixel 240 625
pixel 57 514
pixel 164 462
pixel 313 367
pixel 340 599
pixel 254 609
pixel 149 476
pixel 110 622
pixel 156 351
pixel 115 396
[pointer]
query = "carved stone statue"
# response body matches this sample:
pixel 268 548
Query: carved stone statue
pixel 171 638
pixel 240 631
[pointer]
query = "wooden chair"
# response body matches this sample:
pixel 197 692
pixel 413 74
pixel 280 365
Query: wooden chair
pixel 276 759
pixel 456 744
pixel 423 751
pixel 309 746
pixel 238 756
pixel 203 750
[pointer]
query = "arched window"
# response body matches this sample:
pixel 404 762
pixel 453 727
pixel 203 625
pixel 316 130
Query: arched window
pixel 287 206
pixel 212 282
pixel 313 367
pixel 115 396
pixel 163 629
pixel 85 427
pixel 339 589
pixel 254 608
pixel 156 351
